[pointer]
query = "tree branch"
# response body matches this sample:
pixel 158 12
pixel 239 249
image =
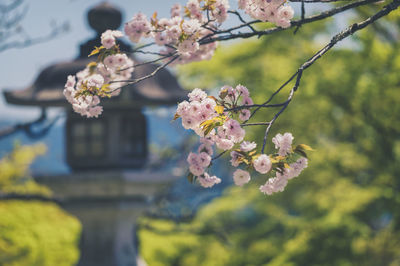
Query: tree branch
pixel 335 39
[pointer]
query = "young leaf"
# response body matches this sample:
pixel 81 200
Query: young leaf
pixel 219 109
pixel 191 178
pixel 304 147
pixel 223 93
pixel 176 116
pixel 301 152
pixel 96 50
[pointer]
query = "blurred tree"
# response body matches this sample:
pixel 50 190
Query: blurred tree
pixel 32 231
pixel 13 34
pixel 344 208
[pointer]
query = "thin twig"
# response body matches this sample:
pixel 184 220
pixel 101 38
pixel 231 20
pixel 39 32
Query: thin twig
pixel 335 39
pixel 294 23
pixel 303 12
pixel 152 74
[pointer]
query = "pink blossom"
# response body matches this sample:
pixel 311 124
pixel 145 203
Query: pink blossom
pixel 191 26
pixel 189 122
pixel 224 144
pixel 183 108
pixel 95 80
pixel 297 167
pixel 244 114
pixel 94 111
pixel 247 101
pixel 71 81
pixel 275 184
pixel 241 177
pixel 108 38
pixel 242 90
pixel 262 164
pixel 197 95
pixel 283 143
pixel 205 159
pixel 247 146
pixel 206 148
pixel 196 169
pixel 176 10
pixel 188 46
pixel 208 181
pixel 285 12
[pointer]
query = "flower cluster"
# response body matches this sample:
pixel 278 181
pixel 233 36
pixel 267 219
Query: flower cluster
pixel 180 37
pixel 216 122
pixel 84 90
pixel 279 182
pixel 205 115
pixel 269 10
pixel 180 34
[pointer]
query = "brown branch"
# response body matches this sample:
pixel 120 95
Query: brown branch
pixel 335 39
pixel 152 74
pixel 294 23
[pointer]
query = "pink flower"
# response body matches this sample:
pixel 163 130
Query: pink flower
pixel 262 164
pixel 247 101
pixel 108 38
pixel 241 177
pixel 197 95
pixel 285 12
pixel 196 169
pixel 193 158
pixel 188 46
pixel 191 26
pixel 95 111
pixel 284 23
pixel 205 159
pixel 275 184
pixel 247 146
pixel 242 90
pixel 176 10
pixel 160 38
pixel 205 148
pixel 189 122
pixel 71 81
pixel 283 143
pixel 95 80
pixel 208 181
pixel 224 144
pixel 244 114
pixel 297 167
pixel 183 108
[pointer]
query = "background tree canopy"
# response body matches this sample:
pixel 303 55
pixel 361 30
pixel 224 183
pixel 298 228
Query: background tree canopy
pixel 344 208
pixel 33 232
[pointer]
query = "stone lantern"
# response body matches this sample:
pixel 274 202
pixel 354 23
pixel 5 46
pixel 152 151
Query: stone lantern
pixel 107 190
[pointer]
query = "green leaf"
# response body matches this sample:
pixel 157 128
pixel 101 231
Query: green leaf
pixel 96 50
pixel 304 147
pixel 176 116
pixel 191 178
pixel 219 109
pixel 223 93
pixel 301 152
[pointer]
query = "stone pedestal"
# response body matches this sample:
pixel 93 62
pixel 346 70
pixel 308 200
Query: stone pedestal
pixel 108 205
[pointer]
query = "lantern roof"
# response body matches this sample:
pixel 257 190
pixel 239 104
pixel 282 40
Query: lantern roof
pixel 47 90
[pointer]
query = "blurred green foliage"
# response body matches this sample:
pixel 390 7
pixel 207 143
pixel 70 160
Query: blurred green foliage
pixel 344 209
pixel 33 232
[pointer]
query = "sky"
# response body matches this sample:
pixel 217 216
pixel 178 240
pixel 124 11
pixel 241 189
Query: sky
pixel 20 67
